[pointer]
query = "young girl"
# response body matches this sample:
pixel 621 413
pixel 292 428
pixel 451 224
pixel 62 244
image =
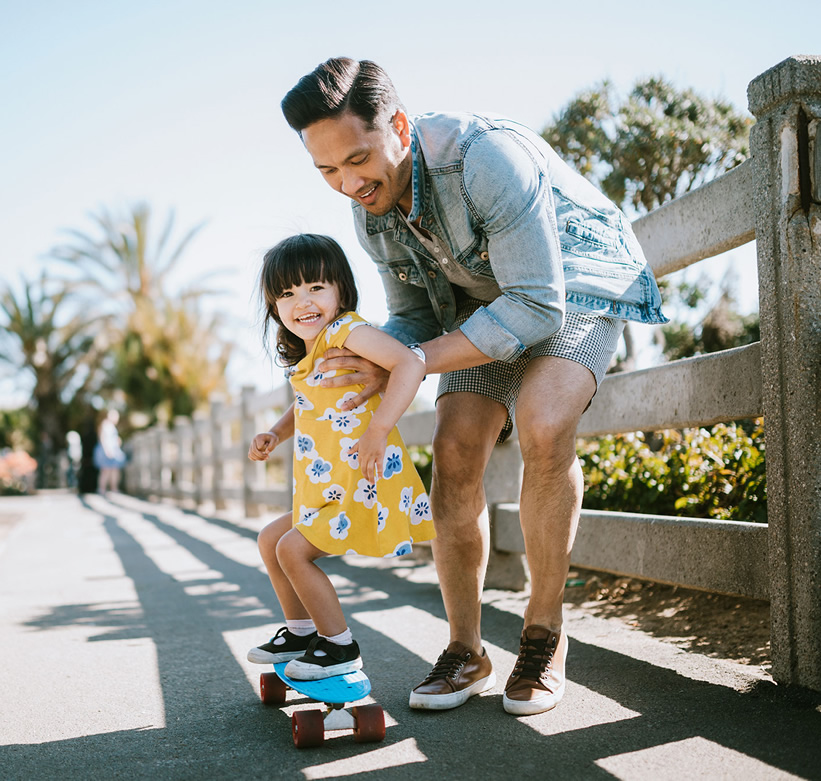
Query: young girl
pixel 355 487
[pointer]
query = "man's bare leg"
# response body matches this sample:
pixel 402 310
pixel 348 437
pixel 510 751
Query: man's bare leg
pixel 467 426
pixel 552 485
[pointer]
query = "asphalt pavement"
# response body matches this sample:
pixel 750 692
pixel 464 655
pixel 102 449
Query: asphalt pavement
pixel 124 626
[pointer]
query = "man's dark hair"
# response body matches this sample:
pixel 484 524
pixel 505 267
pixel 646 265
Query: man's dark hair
pixel 338 85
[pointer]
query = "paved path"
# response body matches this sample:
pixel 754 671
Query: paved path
pixel 124 627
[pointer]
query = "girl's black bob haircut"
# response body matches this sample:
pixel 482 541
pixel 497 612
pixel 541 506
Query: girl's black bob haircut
pixel 304 258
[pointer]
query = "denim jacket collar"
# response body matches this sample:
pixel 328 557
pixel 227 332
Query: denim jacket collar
pixel 419 188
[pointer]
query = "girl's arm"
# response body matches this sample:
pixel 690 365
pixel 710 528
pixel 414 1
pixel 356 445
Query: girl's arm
pixel 263 444
pixel 407 370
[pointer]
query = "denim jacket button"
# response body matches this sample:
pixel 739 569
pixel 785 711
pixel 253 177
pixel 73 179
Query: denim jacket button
pixel 484 255
pixel 443 306
pixel 432 274
pixel 403 276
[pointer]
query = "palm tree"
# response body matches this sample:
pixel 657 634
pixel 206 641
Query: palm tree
pixel 61 351
pixel 168 357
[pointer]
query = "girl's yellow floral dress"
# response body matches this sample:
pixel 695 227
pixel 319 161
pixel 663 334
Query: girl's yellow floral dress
pixel 335 507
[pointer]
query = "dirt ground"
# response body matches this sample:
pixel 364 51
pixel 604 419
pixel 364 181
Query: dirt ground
pixel 715 625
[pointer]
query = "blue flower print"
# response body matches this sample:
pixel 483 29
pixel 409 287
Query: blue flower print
pixel 403 549
pixel 421 510
pixel 393 461
pixel 334 494
pixel 365 493
pixel 381 517
pixel 340 526
pixel 319 471
pixel 304 446
pixel 406 500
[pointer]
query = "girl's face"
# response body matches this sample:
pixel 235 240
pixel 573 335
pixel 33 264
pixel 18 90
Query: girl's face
pixel 307 308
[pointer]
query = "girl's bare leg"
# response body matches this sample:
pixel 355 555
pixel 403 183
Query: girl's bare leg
pixel 311 586
pixel 268 540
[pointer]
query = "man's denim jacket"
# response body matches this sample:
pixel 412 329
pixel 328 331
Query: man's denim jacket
pixel 507 207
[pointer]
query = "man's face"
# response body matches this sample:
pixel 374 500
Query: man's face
pixel 372 167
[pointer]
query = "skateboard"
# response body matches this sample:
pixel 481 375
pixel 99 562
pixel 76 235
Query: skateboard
pixel 309 726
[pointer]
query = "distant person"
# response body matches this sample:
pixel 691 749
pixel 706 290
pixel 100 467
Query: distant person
pixel 109 457
pixel 74 454
pixel 356 489
pixel 517 275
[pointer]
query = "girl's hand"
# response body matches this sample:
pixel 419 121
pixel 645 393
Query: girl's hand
pixel 371 448
pixel 262 446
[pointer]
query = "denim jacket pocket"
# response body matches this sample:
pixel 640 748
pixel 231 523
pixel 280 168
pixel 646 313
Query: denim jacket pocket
pixel 477 261
pixel 598 240
pixel 405 271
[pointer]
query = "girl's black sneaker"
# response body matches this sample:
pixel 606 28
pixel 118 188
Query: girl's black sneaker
pixel 324 659
pixel 290 646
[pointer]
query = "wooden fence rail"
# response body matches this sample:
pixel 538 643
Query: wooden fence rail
pixel 775 198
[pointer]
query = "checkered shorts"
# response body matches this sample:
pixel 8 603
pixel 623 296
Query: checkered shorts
pixel 589 340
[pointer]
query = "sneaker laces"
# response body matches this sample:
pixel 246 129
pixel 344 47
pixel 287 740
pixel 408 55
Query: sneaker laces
pixel 448 665
pixel 534 658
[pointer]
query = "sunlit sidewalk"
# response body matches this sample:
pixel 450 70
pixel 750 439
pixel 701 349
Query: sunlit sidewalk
pixel 125 626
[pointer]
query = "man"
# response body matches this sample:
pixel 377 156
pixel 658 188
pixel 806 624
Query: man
pixel 512 276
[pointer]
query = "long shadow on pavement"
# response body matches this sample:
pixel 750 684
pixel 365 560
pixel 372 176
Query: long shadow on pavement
pixel 216 727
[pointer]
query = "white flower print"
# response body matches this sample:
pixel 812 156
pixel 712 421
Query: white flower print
pixel 421 509
pixel 334 494
pixel 365 493
pixel 301 403
pixel 340 526
pixel 317 375
pixel 345 422
pixel 393 461
pixel 406 500
pixel 304 446
pixel 334 327
pixel 307 515
pixel 381 517
pixel 349 395
pixel 319 471
pixel 351 459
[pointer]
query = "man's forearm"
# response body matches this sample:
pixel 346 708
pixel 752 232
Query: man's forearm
pixel 451 352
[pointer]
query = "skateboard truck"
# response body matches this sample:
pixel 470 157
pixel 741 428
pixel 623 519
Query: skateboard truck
pixel 308 727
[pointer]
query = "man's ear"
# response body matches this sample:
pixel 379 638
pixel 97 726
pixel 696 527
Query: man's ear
pixel 401 126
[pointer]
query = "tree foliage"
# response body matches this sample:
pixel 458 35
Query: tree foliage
pixel 714 473
pixel 655 145
pixel 45 335
pixel 167 356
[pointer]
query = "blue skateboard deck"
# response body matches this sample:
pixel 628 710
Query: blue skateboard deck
pixel 337 690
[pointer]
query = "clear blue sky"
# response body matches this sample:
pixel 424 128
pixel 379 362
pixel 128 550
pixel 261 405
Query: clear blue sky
pixel 105 103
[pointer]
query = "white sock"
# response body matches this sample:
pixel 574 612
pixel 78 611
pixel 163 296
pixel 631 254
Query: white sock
pixel 301 627
pixel 343 638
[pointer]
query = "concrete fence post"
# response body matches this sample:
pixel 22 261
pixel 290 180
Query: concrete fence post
pixel 251 470
pixel 181 435
pixel 199 429
pixel 157 436
pixel 217 454
pixel 786 151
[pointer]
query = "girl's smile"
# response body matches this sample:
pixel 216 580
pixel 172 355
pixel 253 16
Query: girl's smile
pixel 306 309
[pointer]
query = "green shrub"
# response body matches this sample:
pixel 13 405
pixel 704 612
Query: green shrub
pixel 716 473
